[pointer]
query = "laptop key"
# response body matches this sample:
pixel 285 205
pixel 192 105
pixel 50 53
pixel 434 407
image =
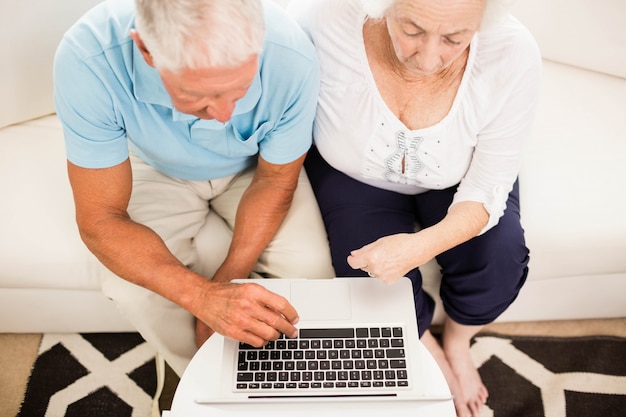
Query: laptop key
pixel 342 333
pixel 362 332
pixel 397 343
pixel 397 363
pixel 245 376
pixel 394 353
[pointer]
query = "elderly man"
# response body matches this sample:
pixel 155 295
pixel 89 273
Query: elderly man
pixel 189 116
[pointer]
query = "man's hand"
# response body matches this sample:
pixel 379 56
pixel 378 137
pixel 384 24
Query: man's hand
pixel 245 312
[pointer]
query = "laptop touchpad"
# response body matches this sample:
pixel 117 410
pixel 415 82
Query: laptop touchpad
pixel 323 299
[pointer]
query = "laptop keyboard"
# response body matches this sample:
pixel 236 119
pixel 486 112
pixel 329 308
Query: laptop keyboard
pixel 323 359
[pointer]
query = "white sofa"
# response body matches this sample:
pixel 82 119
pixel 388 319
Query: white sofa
pixel 572 181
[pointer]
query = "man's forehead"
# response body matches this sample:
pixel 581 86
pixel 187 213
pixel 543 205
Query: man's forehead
pixel 213 78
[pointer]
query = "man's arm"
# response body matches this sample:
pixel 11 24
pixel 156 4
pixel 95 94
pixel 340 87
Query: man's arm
pixel 248 312
pixel 261 211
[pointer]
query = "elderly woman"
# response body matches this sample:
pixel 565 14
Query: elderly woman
pixel 424 109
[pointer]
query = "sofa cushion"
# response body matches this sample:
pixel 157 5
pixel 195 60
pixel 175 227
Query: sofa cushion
pixel 39 245
pixel 586 34
pixel 572 179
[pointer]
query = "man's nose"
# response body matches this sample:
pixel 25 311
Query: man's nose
pixel 221 110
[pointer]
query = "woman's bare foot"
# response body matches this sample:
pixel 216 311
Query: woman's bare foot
pixel 435 349
pixel 473 388
pixel 456 346
pixel 203 332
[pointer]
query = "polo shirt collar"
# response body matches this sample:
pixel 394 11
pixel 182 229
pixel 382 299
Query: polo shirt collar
pixel 148 88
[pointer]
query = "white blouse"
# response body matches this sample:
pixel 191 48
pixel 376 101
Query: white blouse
pixel 477 145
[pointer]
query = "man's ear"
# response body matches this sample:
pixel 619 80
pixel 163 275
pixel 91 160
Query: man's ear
pixel 142 47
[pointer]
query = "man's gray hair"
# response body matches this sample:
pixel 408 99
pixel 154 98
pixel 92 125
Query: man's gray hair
pixel 495 10
pixel 200 33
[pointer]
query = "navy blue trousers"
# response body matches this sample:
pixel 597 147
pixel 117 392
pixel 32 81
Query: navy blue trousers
pixel 480 278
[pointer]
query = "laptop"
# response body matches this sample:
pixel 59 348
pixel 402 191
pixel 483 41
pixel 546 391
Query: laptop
pixel 358 341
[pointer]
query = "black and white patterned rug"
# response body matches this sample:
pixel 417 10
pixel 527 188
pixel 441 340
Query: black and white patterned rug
pixel 552 377
pixel 102 375
pixel 95 375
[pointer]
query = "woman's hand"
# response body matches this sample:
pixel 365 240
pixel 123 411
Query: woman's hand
pixel 390 257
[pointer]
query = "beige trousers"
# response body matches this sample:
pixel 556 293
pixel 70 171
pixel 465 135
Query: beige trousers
pixel 195 220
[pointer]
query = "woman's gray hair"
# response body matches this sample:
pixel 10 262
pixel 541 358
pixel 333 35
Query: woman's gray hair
pixel 495 10
pixel 200 33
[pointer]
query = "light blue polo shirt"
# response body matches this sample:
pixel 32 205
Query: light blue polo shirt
pixel 108 99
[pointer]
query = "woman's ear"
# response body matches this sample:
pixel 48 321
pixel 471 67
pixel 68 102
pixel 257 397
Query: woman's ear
pixel 142 47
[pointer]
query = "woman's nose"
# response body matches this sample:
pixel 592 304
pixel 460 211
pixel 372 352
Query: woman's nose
pixel 429 56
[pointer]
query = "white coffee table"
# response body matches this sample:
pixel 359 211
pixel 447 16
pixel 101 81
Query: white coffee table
pixel 194 383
